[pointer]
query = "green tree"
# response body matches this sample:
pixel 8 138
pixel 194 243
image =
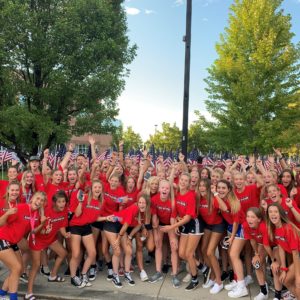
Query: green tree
pixel 254 78
pixel 131 140
pixel 62 67
pixel 168 139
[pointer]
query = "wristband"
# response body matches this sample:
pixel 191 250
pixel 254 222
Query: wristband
pixel 284 269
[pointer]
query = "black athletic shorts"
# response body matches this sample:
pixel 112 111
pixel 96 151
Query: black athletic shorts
pixel 81 230
pixel 194 226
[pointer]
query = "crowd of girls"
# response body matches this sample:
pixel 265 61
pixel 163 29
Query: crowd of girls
pixel 225 223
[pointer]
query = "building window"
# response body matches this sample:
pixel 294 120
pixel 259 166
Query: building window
pixel 82 149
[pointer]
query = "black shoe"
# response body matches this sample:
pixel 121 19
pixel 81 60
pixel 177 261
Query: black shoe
pixel 165 268
pixel 231 275
pixel 193 284
pixel 128 279
pixel 44 271
pixel 110 275
pixel 76 281
pixel 100 265
pixel 206 275
pixel 224 275
pixel 116 281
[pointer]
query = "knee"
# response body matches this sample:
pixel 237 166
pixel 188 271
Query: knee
pixel 17 269
pixel 150 247
pixel 117 251
pixel 182 255
pixel 210 253
pixel 174 247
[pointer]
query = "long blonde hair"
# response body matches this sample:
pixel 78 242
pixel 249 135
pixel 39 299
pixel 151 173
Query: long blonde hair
pixel 23 182
pixel 90 194
pixel 148 209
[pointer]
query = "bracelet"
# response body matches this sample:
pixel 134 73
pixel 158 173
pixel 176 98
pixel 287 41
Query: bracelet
pixel 284 269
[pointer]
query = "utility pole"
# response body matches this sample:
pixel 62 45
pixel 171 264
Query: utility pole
pixel 187 40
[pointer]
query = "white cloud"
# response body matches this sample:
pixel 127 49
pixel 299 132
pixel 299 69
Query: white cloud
pixel 132 11
pixel 204 19
pixel 149 11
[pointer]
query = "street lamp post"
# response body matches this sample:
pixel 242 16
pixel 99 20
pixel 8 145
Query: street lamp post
pixel 187 40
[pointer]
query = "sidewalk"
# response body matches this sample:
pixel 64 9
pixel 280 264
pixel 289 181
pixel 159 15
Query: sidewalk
pixel 103 289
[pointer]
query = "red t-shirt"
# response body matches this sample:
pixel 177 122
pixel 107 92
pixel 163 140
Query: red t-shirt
pixel 26 195
pixel 248 197
pixel 51 189
pixel 230 217
pixel 90 212
pixel 163 209
pixel 256 234
pixel 3 186
pixel 212 217
pixel 4 207
pixel 185 205
pixel 18 225
pixel 39 181
pixel 48 235
pixel 287 238
pixel 129 215
pixel 111 204
pixel 132 198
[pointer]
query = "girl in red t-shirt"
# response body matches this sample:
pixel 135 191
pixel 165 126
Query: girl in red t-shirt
pixel 214 228
pixel 162 208
pixel 232 212
pixel 57 221
pixel 287 236
pixel 86 209
pixel 27 187
pixel 188 225
pixel 287 179
pixel 10 198
pixel 16 223
pixel 255 231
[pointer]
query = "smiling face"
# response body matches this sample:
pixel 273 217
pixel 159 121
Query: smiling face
pixel 13 192
pixel 204 174
pixel 274 215
pixel 250 179
pixel 57 177
pixel 222 190
pixel 154 185
pixel 142 204
pixel 269 179
pixel 114 182
pixel 239 181
pixel 215 177
pixel 37 201
pixel 29 179
pixel 96 190
pixel 72 176
pixel 286 178
pixel 34 165
pixel 12 174
pixel 194 178
pixel 164 190
pixel 252 220
pixel 274 193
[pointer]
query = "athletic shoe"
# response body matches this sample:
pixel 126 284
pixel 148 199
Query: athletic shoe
pixel 231 275
pixel 206 275
pixel 156 277
pixel 193 284
pixel 76 281
pixel 109 274
pixel 187 278
pixel 121 272
pixel 116 281
pixel 230 286
pixel 128 279
pixel 92 273
pixel 175 281
pixel 24 278
pixel 85 280
pixel 210 283
pixel 248 280
pixel 238 292
pixel 143 275
pixel 261 296
pixel 217 288
pixel 44 270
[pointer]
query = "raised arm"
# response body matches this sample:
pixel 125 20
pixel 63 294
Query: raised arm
pixel 64 162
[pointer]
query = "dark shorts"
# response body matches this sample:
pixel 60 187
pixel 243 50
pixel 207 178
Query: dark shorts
pixel 81 230
pixel 219 228
pixel 15 247
pixel 114 227
pixel 148 226
pixel 194 226
pixel 98 225
pixel 4 245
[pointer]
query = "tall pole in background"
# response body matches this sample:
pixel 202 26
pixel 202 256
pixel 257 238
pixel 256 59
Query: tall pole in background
pixel 187 40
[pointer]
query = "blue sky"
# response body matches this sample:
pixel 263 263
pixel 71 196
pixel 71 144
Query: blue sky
pixel 154 89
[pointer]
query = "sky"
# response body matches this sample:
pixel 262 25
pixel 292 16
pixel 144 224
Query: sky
pixel 154 89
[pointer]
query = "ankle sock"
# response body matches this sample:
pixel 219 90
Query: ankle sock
pixel 263 289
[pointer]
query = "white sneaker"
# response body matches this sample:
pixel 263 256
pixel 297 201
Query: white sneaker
pixel 187 278
pixel 209 284
pixel 248 280
pixel 143 275
pixel 238 292
pixel 217 288
pixel 261 296
pixel 230 286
